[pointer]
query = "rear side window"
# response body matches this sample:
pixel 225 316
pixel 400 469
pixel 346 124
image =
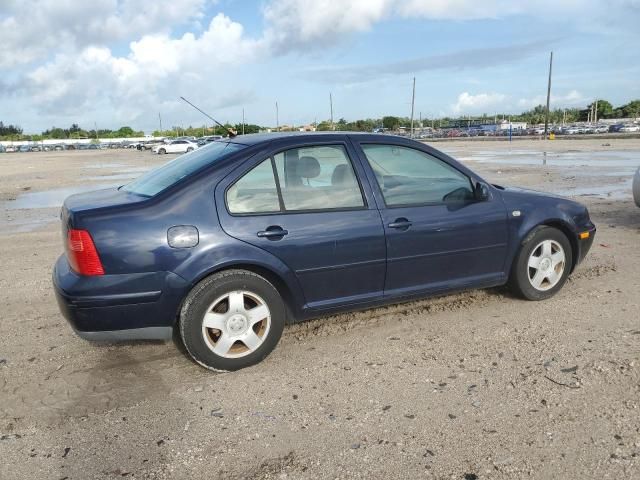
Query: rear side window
pixel 153 182
pixel 317 178
pixel 255 192
pixel 300 179
pixel 411 177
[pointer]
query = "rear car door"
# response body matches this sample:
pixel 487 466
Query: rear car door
pixel 306 204
pixel 438 235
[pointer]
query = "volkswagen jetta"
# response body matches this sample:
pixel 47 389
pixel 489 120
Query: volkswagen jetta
pixel 228 243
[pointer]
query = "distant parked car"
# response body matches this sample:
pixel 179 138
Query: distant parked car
pixel 24 148
pixel 35 148
pixel 11 149
pixel 2 149
pixel 630 128
pixel 176 146
pixel 615 128
pixel 211 138
pixel 59 146
pixel 636 187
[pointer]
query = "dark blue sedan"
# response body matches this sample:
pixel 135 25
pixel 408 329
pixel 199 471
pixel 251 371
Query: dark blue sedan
pixel 227 244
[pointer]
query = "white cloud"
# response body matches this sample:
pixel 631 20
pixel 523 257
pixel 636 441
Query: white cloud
pixel 479 103
pixel 301 24
pixel 31 30
pixel 570 99
pixel 157 68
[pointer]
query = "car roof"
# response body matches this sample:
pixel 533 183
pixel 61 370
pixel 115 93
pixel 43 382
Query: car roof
pixel 257 138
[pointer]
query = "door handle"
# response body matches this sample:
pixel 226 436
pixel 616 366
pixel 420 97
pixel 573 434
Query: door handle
pixel 400 224
pixel 274 232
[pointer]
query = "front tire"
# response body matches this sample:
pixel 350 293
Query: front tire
pixel 232 320
pixel 542 265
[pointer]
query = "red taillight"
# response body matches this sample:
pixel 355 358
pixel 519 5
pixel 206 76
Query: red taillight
pixel 82 254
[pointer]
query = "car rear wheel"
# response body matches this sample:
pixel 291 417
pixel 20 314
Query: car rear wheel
pixel 190 149
pixel 231 320
pixel 542 265
pixel 162 151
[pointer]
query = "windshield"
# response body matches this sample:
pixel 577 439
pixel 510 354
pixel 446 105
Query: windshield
pixel 153 182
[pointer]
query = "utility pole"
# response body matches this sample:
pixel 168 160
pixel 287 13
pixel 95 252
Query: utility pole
pixel 595 112
pixel 413 101
pixel 546 117
pixel 160 119
pixel 331 109
pixel 277 119
pixel 95 125
pixel 243 121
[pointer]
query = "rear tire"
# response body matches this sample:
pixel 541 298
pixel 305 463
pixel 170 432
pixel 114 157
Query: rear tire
pixel 162 151
pixel 542 265
pixel 231 320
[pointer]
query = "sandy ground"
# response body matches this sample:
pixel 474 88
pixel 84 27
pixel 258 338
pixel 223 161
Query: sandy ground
pixel 474 385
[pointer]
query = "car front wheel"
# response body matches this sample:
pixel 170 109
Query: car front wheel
pixel 162 151
pixel 542 265
pixel 231 320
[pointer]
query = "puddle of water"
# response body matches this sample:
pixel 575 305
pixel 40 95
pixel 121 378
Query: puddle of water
pixel 618 191
pixel 50 198
pixel 107 165
pixel 117 176
pixel 609 158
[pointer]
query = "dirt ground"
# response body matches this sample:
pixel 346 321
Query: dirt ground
pixel 478 385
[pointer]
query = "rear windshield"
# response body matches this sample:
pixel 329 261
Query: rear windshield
pixel 158 179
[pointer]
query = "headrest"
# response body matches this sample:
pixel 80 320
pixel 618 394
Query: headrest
pixel 308 167
pixel 342 174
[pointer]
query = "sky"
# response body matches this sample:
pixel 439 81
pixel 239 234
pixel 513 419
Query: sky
pixel 111 63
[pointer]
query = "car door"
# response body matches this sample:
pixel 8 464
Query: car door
pixel 439 236
pixel 306 204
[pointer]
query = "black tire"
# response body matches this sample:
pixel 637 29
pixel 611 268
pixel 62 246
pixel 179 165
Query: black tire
pixel 190 149
pixel 162 151
pixel 519 280
pixel 200 299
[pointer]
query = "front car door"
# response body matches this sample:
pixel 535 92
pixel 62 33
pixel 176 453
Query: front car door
pixel 306 205
pixel 439 237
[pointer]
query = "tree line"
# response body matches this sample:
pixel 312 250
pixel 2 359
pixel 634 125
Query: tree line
pixel 534 116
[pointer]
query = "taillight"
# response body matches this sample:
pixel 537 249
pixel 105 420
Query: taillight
pixel 82 254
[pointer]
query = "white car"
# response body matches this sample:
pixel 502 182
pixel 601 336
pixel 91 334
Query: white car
pixel 630 128
pixel 176 146
pixel 636 187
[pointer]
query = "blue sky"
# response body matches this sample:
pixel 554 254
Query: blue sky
pixel 121 62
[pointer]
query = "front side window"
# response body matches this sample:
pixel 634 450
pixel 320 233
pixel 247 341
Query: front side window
pixel 317 178
pixel 300 179
pixel 411 177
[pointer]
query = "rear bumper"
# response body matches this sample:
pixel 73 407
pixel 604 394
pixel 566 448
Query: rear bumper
pixel 119 307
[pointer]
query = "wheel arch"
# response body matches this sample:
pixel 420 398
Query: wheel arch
pixel 281 285
pixel 563 227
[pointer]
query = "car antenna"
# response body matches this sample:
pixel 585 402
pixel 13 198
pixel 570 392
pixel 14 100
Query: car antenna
pixel 232 133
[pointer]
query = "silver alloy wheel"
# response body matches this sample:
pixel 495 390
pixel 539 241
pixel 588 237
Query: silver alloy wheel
pixel 546 265
pixel 236 324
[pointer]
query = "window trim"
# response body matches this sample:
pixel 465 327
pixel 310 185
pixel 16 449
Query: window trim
pixel 411 205
pixel 283 210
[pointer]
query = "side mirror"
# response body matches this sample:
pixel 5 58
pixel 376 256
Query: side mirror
pixel 482 192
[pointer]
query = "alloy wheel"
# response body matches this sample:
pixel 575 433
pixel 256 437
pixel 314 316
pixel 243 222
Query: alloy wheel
pixel 236 324
pixel 546 265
